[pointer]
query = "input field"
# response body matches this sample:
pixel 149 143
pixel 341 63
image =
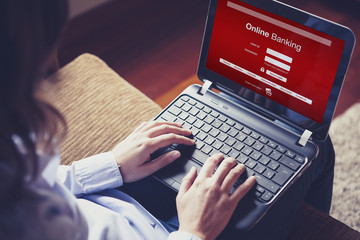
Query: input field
pixel 277 63
pixel 281 24
pixel 279 55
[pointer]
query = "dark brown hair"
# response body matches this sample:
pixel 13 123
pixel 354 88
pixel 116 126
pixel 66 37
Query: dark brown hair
pixel 29 32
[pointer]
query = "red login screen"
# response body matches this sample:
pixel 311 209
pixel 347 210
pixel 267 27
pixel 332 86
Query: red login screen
pixel 287 62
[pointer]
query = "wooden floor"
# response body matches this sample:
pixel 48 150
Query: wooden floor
pixel 155 44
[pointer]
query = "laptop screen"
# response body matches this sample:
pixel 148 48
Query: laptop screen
pixel 282 60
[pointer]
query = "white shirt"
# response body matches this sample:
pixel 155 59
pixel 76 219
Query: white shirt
pixel 109 213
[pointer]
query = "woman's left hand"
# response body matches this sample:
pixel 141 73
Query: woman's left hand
pixel 133 154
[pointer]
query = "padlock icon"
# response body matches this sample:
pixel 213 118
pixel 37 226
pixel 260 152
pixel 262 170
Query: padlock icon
pixel 262 69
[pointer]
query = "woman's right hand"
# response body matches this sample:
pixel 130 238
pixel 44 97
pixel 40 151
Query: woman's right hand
pixel 204 202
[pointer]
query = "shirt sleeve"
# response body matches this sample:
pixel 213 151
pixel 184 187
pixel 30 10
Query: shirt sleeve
pixel 92 174
pixel 180 235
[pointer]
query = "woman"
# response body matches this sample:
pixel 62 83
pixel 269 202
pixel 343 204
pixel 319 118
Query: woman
pixel 34 204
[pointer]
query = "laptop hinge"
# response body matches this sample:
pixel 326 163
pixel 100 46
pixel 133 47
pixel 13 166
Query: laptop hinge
pixel 205 87
pixel 304 138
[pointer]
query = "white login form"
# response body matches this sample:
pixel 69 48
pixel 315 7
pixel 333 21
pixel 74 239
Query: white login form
pixel 266 81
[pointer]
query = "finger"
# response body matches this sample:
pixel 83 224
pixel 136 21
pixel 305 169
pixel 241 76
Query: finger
pixel 167 139
pixel 152 166
pixel 187 181
pixel 233 176
pixel 244 188
pixel 149 125
pixel 223 170
pixel 210 165
pixel 165 129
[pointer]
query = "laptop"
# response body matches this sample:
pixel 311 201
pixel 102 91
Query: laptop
pixel 272 75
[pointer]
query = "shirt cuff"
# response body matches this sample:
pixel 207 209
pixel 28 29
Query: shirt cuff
pixel 99 172
pixel 180 235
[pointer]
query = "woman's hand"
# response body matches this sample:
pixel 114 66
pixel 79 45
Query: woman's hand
pixel 133 154
pixel 204 203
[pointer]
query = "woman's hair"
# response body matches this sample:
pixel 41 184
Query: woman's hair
pixel 29 32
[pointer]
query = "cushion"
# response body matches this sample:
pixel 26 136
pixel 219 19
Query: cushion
pixel 99 106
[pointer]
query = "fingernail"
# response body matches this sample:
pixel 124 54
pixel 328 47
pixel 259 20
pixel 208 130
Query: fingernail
pixel 175 155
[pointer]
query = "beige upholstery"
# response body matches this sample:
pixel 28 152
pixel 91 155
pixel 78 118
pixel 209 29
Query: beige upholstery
pixel 100 107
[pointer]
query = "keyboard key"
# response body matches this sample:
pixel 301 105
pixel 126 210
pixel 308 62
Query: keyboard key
pixel 199 124
pixel 209 119
pixel 199 105
pixel 217 145
pixel 267 196
pixel 222 137
pixel 275 155
pixel 222 118
pixel 266 183
pixel 168 117
pixel 186 107
pixel 194 111
pixel 260 189
pixel 199 144
pixel 273 165
pixel 185 99
pixel 238 146
pixel 214 114
pixel 266 150
pixel 258 146
pixel 232 132
pixel 255 135
pixel 246 131
pixel 250 163
pixel 201 115
pixel 179 104
pixel 225 149
pixel 300 159
pixel 216 123
pixel 242 159
pixel 269 174
pixel 264 160
pixel 234 154
pixel 207 110
pixel 214 132
pixel 272 144
pixel 230 122
pixel 225 128
pixel 260 168
pixel 238 126
pixel 209 140
pixel 281 149
pixel 263 140
pixel 249 141
pixel 290 154
pixel 192 102
pixel 175 111
pixel 206 128
pixel 246 150
pixel 195 131
pixel 255 155
pixel 206 149
pixel 191 120
pixel 230 141
pixel 282 176
pixel 183 116
pixel 201 136
pixel 241 137
pixel 290 163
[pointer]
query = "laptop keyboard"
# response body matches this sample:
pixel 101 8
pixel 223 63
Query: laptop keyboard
pixel 272 164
